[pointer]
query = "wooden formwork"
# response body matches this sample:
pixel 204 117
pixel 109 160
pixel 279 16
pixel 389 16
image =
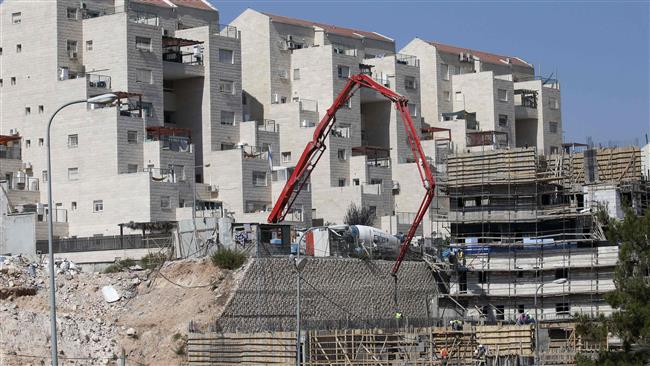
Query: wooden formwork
pixel 514 166
pixel 609 165
pixel 362 347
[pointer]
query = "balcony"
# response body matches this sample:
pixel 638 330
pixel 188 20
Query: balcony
pixel 253 152
pixel 468 117
pixel 10 147
pixel 376 156
pixel 340 132
pixel 228 31
pixel 171 139
pixel 144 18
pixel 268 125
pixel 525 104
pixel 22 182
pixel 409 60
pixel 496 139
pixel 93 80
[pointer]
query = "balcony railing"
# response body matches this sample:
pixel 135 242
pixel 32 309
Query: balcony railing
pixel 341 132
pixel 410 60
pixel 382 79
pixel 22 182
pixel 378 162
pixel 144 18
pixel 268 125
pixel 174 143
pixel 255 152
pixel 229 31
pixel 98 81
pixel 187 58
pixel 10 152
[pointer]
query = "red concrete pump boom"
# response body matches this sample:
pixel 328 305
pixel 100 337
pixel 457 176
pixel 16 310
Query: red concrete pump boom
pixel 315 148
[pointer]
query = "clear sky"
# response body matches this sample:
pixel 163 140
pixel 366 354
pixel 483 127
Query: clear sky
pixel 599 49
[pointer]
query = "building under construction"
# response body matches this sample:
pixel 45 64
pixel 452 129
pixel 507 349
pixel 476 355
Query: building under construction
pixel 525 236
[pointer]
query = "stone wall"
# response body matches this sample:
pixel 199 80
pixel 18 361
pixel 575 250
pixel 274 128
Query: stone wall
pixel 343 289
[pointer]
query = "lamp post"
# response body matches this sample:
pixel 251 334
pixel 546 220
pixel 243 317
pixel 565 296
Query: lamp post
pixel 299 265
pixel 558 281
pixel 100 99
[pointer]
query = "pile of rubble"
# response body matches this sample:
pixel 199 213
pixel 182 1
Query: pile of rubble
pixel 101 315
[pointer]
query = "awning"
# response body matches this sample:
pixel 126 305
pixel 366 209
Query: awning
pixel 178 42
pixel 4 139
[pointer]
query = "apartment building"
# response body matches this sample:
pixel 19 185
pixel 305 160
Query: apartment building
pixel 485 100
pixel 177 75
pixel 292 71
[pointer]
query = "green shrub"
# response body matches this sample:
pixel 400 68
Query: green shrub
pixel 179 343
pixel 120 266
pixel 153 260
pixel 228 258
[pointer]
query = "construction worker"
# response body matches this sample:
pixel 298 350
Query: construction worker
pixel 444 354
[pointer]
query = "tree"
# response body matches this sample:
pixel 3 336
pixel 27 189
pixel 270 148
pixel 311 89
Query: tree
pixel 359 215
pixel 631 322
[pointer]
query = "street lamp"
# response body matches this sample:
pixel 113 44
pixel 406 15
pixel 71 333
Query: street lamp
pixel 558 281
pixel 100 99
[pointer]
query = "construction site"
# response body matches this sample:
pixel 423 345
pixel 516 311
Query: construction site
pixel 284 191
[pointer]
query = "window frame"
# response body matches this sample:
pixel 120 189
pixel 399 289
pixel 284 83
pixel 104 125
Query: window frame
pixel 553 127
pixel 89 45
pixel 129 134
pixel 96 204
pixel 138 74
pixel 17 17
pixel 165 203
pixel 76 13
pixel 222 83
pixel 75 175
pixel 340 68
pixel 343 156
pixel 505 97
pixel 445 75
pixel 71 137
pixel 256 176
pixel 504 123
pixel 232 56
pixel 286 156
pixel 225 123
pixel 141 44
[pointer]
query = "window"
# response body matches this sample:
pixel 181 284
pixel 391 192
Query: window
pixel 500 312
pixel 256 206
pixel 456 70
pixel 413 110
pixel 144 76
pixel 376 181
pixel 447 95
pixel 502 94
pixel 503 120
pixel 41 109
pixel 73 173
pixel 552 127
pixel 520 308
pixel 89 45
pixel 44 175
pixel 16 18
pixel 28 143
pixel 40 141
pixel 165 203
pixel 259 179
pixel 0 82
pixel 343 71
pixel 132 137
pixel 286 156
pixel 13 80
pixel 356 181
pixel 143 43
pixel 444 71
pixel 410 82
pixel 73 141
pixel 0 51
pixel 227 146
pixel 98 205
pixel 296 74
pixel 562 308
pixel 72 13
pixel 73 206
pixel 147 109
pixel 71 46
pixel 342 155
pixel 341 182
pixel 458 96
pixel 226 86
pixel 226 56
pixel 132 168
pixel 228 118
pixel 482 277
pixel 554 103
pixel 561 273
pixel 19 48
pixel 28 111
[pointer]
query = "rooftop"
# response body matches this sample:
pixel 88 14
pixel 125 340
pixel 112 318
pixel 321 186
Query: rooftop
pixel 196 4
pixel 347 32
pixel 484 56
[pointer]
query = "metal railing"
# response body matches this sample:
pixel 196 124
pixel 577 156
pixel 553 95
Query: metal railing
pixel 226 30
pixel 22 182
pixel 173 143
pixel 187 58
pixel 10 152
pixel 253 152
pixel 144 18
pixel 410 60
pixel 341 132
pixel 268 125
pixel 382 79
pixel 98 81
pixel 99 243
pixel 378 162
pixel 161 175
